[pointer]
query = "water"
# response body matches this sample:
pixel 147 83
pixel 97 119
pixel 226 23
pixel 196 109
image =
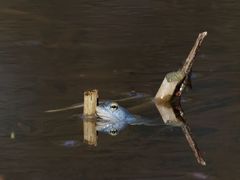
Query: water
pixel 51 51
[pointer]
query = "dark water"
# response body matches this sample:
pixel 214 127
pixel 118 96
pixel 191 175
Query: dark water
pixel 51 51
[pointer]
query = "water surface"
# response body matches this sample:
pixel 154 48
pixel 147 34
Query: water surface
pixel 50 52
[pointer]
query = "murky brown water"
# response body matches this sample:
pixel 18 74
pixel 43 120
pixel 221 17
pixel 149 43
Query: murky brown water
pixel 51 51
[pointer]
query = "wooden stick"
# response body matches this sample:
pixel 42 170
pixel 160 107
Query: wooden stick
pixel 179 78
pixel 169 85
pixel 186 69
pixel 89 122
pixel 190 59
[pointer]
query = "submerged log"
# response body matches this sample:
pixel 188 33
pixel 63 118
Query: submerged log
pixel 89 121
pixel 174 82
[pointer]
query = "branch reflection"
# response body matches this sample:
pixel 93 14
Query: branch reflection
pixel 172 114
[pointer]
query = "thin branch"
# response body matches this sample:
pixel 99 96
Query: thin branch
pixel 186 69
pixel 191 57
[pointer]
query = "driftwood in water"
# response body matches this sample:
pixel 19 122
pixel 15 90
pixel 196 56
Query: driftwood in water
pixel 168 86
pixel 176 81
pixel 173 116
pixel 89 121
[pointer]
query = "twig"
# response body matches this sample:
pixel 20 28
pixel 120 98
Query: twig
pixel 190 59
pixel 174 80
pixel 186 69
pixel 89 122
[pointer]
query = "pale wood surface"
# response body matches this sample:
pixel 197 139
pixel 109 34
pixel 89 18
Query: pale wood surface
pixel 168 86
pixel 89 122
pixel 180 78
pixel 191 57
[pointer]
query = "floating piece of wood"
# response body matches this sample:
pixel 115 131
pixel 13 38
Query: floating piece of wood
pixel 190 59
pixel 175 82
pixel 89 121
pixel 168 86
pixel 187 67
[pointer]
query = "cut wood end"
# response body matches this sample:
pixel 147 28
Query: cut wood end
pixel 175 76
pixel 203 34
pixel 90 92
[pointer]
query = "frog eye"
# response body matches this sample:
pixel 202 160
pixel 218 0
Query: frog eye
pixel 114 106
pixel 113 132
